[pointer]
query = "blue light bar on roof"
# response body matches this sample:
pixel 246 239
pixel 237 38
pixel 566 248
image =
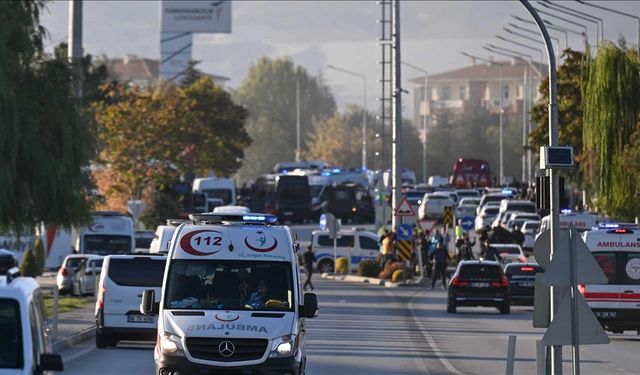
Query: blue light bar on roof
pixel 507 192
pixel 608 225
pixel 565 211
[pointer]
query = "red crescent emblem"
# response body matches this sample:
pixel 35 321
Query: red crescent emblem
pixel 261 250
pixel 185 243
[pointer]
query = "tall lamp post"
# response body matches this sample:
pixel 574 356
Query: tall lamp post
pixel 555 27
pixel 424 119
pixel 364 109
pixel 599 22
pixel 616 12
pixel 501 110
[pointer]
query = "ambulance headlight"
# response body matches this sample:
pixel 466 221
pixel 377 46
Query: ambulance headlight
pixel 284 346
pixel 170 344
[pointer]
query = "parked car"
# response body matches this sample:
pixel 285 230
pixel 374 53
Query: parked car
pixel 433 204
pixel 479 283
pixel 117 311
pixel 84 279
pixel 522 277
pixel 64 278
pixel 7 261
pixel 467 207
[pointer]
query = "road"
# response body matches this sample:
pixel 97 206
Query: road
pixel 364 329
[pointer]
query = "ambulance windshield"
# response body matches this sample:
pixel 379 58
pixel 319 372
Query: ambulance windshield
pixel 229 285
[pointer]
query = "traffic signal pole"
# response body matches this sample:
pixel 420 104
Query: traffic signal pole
pixel 396 112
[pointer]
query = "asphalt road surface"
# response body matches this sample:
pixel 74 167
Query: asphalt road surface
pixel 364 329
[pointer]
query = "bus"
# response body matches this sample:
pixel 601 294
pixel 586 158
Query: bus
pixel 471 173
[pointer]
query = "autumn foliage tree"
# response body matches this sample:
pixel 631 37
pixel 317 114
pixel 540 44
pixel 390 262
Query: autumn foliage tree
pixel 147 138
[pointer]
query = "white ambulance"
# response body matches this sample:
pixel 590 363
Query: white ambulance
pixel 231 298
pixel 616 247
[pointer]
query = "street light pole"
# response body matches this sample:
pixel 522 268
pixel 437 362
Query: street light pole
pixel 580 15
pixel 424 119
pixel 586 37
pixel 501 110
pixel 364 109
pixel 556 28
pixel 74 47
pixel 297 120
pixel 616 12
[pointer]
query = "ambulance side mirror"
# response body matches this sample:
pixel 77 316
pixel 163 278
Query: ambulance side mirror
pixel 310 307
pixel 148 306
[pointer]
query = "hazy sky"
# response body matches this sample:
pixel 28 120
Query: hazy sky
pixel 317 33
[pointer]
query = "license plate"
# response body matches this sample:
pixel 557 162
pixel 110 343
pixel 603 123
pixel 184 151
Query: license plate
pixel 480 285
pixel 526 285
pixel 140 319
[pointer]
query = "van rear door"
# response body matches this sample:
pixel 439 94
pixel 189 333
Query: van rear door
pixel 630 280
pixel 125 281
pixel 606 296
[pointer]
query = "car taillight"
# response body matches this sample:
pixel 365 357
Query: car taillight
pixel 63 272
pixel 503 282
pixel 582 289
pixel 527 269
pixel 103 290
pixel 457 282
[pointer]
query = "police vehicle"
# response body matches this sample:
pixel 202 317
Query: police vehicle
pixel 231 298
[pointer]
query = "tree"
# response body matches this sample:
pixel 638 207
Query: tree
pixel 40 255
pixel 611 112
pixel 29 265
pixel 192 74
pixel 570 77
pixel 269 93
pixel 43 144
pixel 197 129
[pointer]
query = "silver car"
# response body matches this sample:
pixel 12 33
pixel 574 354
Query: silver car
pixel 67 270
pixel 86 276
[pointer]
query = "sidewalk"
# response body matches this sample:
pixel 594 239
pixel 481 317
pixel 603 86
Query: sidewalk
pixel 73 327
pixel 418 281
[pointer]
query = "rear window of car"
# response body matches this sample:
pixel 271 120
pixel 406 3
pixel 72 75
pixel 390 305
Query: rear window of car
pixel 437 197
pixel 480 271
pixel 607 262
pixel 523 270
pixel 11 337
pixel 344 241
pixel 146 272
pixel 491 211
pixel 508 250
pixel 74 262
pixel 531 226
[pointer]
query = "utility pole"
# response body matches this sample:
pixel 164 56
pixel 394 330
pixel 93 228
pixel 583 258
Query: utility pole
pixel 74 48
pixel 297 120
pixel 396 112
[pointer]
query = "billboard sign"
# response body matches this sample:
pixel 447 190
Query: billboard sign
pixel 211 16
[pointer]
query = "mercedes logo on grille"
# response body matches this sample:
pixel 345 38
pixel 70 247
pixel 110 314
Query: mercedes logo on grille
pixel 226 349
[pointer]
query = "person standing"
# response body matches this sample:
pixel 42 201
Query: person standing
pixel 441 259
pixel 489 252
pixel 309 259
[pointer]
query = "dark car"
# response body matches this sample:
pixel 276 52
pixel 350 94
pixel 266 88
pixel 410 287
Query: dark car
pixel 479 283
pixel 7 261
pixel 522 278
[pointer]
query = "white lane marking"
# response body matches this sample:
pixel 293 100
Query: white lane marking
pixel 77 354
pixel 431 341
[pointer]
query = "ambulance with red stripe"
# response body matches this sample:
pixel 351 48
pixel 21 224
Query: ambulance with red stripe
pixel 231 299
pixel 616 247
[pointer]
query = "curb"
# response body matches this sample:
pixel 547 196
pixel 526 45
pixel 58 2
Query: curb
pixel 67 342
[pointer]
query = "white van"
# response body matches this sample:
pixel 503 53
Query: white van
pixel 109 233
pixel 216 187
pixel 357 243
pixel 231 298
pixel 122 281
pixel 162 237
pixel 24 341
pixel 617 250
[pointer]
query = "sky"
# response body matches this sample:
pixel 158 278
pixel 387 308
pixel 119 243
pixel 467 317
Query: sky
pixel 341 33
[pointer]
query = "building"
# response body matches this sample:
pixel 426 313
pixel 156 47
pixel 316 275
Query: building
pixel 474 86
pixel 143 72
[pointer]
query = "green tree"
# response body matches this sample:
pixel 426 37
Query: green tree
pixel 192 74
pixel 611 111
pixel 29 265
pixel 570 76
pixel 194 129
pixel 43 145
pixel 40 256
pixel 269 93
